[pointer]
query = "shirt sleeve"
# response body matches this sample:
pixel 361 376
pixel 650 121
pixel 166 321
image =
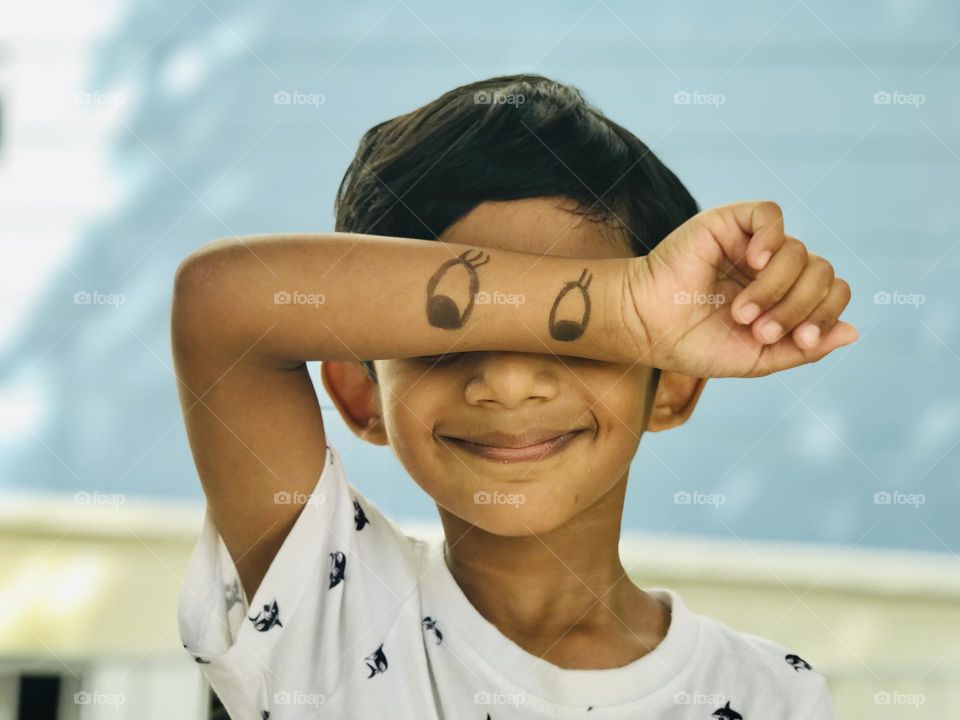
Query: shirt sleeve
pixel 333 590
pixel 823 705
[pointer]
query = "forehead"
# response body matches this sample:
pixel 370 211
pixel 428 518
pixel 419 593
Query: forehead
pixel 545 226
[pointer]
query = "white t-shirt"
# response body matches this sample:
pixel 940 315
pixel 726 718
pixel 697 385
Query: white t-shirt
pixel 354 619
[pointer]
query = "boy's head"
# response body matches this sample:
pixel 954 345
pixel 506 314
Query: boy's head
pixel 518 163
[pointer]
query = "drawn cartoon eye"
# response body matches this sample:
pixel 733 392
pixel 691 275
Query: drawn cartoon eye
pixel 573 294
pixel 442 310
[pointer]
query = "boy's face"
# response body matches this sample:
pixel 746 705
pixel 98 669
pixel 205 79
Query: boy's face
pixel 428 409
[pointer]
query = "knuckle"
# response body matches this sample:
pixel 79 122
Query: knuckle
pixel 798 250
pixel 823 271
pixel 844 288
pixel 820 264
pixel 772 208
pixel 799 309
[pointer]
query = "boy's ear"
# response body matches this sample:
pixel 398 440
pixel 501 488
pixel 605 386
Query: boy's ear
pixel 676 397
pixel 355 396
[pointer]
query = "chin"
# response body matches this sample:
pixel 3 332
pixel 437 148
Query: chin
pixel 515 520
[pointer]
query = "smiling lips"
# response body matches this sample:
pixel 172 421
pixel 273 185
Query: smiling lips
pixel 530 445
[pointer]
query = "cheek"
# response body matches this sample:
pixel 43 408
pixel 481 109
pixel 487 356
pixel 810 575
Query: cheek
pixel 409 415
pixel 619 399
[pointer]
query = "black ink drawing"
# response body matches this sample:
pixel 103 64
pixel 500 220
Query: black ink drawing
pixel 359 516
pixel 376 663
pixel 430 624
pixel 442 311
pixel 798 663
pixel 571 329
pixel 338 568
pixel 726 713
pixel 267 618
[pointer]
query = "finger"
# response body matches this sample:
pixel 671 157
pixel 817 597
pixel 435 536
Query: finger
pixel 785 354
pixel 750 231
pixel 808 333
pixel 810 289
pixel 763 221
pixel 771 283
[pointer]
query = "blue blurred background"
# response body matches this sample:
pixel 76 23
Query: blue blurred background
pixel 135 132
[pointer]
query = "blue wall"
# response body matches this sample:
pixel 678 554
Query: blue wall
pixel 872 186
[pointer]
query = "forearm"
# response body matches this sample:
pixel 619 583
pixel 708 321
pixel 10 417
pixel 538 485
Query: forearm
pixel 340 296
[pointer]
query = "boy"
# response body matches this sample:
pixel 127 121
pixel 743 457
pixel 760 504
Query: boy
pixel 537 290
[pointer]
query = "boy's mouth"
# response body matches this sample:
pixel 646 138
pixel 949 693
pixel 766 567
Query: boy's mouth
pixel 502 447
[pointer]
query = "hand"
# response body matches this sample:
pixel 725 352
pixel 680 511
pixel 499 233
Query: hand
pixel 728 294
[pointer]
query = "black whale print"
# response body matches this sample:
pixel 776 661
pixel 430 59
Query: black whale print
pixel 338 568
pixel 359 516
pixel 376 663
pixel 571 329
pixel 726 713
pixel 231 594
pixel 797 662
pixel 267 618
pixel 430 624
pixel 442 311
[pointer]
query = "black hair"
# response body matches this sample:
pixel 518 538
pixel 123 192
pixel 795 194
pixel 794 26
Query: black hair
pixel 507 138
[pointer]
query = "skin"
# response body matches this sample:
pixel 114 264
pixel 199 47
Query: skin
pixel 255 426
pixel 546 572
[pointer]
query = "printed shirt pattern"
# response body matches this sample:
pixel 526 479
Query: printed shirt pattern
pixel 355 619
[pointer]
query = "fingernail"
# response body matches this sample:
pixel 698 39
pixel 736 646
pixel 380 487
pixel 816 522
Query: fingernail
pixel 762 259
pixel 771 331
pixel 810 335
pixel 749 313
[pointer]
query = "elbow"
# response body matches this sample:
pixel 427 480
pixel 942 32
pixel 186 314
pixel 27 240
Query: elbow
pixel 200 274
pixel 196 288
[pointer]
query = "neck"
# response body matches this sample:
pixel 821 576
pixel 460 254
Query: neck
pixel 563 595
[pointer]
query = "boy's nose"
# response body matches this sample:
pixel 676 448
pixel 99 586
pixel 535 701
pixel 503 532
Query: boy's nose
pixel 511 379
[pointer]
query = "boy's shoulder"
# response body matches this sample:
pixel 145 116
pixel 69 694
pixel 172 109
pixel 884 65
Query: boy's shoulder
pixel 764 670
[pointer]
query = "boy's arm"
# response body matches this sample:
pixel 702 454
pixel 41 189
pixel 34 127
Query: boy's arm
pixel 240 346
pixel 248 313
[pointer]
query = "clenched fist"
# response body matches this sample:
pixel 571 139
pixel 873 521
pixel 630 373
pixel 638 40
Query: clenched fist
pixel 730 294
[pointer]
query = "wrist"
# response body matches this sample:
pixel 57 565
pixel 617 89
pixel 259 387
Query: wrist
pixel 624 335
